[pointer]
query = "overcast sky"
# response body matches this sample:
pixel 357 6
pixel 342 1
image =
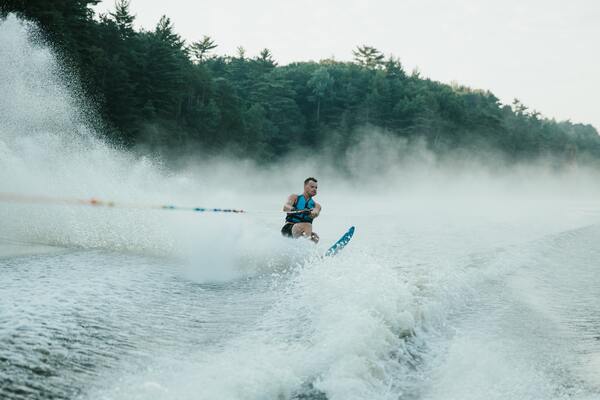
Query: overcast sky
pixel 544 52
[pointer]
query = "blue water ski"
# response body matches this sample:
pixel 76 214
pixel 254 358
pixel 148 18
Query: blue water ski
pixel 340 244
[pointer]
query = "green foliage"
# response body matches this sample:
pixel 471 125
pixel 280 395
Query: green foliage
pixel 123 19
pixel 201 48
pixel 368 57
pixel 165 32
pixel 155 91
pixel 320 82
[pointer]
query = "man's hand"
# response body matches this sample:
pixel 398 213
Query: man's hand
pixel 314 213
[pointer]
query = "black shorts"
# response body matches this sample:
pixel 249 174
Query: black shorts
pixel 287 229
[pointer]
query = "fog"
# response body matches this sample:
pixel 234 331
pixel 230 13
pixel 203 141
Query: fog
pixel 456 258
pixel 50 146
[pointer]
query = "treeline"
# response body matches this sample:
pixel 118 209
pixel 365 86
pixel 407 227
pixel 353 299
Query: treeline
pixel 153 89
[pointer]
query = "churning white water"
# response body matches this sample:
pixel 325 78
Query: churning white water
pixel 460 283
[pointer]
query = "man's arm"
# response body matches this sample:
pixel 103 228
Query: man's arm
pixel 289 204
pixel 316 211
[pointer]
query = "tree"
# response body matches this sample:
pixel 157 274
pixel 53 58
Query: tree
pixel 151 89
pixel 320 82
pixel 122 18
pixel 266 57
pixel 241 52
pixel 165 31
pixel 519 108
pixel 163 75
pixel 201 48
pixel 393 68
pixel 368 57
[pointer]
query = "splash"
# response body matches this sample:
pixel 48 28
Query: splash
pixel 50 148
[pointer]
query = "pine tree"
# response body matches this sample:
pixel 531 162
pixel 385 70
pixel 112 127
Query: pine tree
pixel 266 58
pixel 368 57
pixel 165 31
pixel 201 48
pixel 123 19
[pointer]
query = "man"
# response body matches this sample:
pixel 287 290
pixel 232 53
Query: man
pixel 302 210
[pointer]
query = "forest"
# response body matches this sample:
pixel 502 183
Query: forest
pixel 156 92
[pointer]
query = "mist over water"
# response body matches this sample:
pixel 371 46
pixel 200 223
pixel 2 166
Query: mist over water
pixel 464 280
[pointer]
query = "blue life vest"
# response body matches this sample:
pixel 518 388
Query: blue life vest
pixel 301 204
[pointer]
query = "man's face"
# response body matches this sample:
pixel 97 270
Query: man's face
pixel 311 188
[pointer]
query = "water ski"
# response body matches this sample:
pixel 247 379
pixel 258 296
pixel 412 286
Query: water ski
pixel 340 244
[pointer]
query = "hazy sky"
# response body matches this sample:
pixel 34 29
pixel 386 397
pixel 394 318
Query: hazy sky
pixel 544 52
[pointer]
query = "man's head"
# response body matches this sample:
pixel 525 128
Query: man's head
pixel 310 186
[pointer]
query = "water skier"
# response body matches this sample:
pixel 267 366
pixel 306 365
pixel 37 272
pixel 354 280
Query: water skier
pixel 302 210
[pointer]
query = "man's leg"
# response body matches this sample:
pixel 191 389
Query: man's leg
pixel 304 229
